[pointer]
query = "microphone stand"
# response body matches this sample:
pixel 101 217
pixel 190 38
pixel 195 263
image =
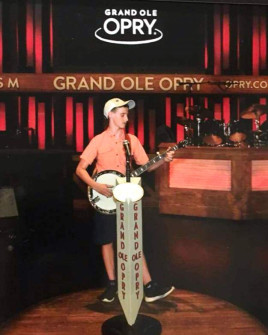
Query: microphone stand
pixel 127 167
pixel 128 156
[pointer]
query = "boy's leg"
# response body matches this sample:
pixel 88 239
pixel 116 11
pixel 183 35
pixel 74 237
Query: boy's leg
pixel 152 290
pixel 108 259
pixel 145 272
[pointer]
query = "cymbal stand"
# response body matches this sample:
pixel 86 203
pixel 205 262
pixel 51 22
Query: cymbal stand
pixel 226 133
pixel 257 122
pixel 257 132
pixel 198 142
pixel 188 134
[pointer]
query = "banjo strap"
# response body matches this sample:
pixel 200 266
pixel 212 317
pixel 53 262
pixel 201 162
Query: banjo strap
pixel 131 156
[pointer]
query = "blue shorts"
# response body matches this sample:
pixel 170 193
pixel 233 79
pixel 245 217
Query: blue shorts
pixel 104 228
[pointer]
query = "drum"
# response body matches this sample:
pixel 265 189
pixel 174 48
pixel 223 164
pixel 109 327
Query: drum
pixel 258 138
pixel 238 132
pixel 264 138
pixel 212 132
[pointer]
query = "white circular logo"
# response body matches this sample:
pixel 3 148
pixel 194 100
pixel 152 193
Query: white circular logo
pixel 136 27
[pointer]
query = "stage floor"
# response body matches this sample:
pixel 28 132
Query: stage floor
pixel 183 312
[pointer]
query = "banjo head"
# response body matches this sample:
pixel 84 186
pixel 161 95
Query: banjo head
pixel 100 202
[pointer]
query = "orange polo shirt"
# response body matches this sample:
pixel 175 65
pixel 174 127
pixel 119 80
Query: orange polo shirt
pixel 110 154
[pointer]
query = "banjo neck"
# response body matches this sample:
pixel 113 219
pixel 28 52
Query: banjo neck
pixel 156 159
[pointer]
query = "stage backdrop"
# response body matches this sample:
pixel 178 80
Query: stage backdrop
pixel 165 55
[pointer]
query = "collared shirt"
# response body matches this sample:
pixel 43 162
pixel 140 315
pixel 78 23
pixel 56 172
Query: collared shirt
pixel 110 153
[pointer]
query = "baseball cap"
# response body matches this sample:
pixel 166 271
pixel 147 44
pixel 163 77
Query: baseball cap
pixel 116 102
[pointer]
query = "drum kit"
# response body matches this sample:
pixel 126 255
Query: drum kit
pixel 201 129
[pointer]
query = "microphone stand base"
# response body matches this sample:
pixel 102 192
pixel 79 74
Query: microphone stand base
pixel 144 325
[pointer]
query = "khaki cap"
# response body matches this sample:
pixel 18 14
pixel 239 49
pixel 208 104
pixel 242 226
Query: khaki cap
pixel 116 102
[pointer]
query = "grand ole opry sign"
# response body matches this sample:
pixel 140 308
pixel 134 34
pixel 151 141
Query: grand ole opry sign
pixel 134 83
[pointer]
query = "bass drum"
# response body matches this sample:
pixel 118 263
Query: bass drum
pixel 213 133
pixel 238 132
pixel 264 138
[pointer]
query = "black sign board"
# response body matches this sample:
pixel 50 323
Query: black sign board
pixel 129 36
pixel 247 2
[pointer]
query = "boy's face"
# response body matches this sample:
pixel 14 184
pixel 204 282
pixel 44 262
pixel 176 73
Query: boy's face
pixel 119 117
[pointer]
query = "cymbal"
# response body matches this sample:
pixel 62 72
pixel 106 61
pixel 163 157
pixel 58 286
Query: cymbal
pixel 254 111
pixel 198 111
pixel 185 122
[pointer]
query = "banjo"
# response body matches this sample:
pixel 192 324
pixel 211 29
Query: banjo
pixel 108 205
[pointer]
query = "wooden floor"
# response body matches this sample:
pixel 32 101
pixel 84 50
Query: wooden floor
pixel 183 312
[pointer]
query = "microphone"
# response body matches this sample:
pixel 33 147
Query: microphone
pixel 126 146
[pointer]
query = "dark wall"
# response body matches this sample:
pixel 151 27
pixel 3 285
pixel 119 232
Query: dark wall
pixel 42 187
